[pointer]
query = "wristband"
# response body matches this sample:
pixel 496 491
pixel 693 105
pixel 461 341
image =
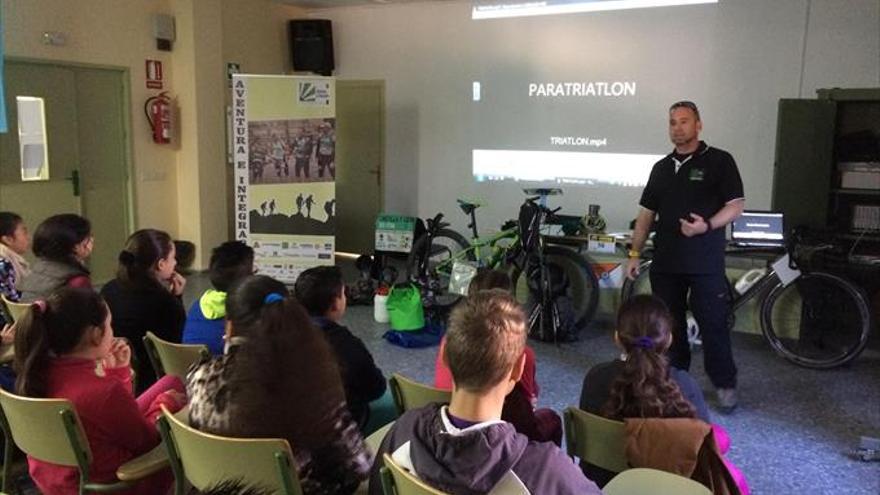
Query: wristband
pixel 632 253
pixel 709 225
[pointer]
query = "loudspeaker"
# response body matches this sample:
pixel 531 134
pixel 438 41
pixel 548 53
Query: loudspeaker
pixel 311 44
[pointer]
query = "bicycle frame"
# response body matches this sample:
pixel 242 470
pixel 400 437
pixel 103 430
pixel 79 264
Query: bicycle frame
pixel 761 285
pixel 478 244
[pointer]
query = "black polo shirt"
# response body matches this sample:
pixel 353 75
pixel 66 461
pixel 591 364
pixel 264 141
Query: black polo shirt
pixel 704 183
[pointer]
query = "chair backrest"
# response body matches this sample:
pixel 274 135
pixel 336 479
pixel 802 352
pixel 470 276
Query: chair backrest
pixel 15 310
pixel 399 481
pixel 47 429
pixel 596 440
pixel 643 480
pixel 374 440
pixel 207 460
pixel 408 394
pixel 169 358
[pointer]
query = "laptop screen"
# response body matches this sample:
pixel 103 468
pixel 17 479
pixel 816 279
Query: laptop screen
pixel 758 228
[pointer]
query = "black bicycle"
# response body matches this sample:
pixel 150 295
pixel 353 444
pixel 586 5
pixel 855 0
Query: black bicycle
pixel 812 318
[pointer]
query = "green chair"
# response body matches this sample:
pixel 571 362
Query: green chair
pixel 169 358
pixel 643 480
pixel 595 440
pixel 374 440
pixel 206 460
pixel 15 310
pixel 50 430
pixel 408 394
pixel 399 481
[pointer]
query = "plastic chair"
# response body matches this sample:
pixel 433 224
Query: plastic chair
pixel 16 310
pixel 169 358
pixel 374 440
pixel 399 481
pixel 595 440
pixel 643 480
pixel 206 460
pixel 50 430
pixel 408 394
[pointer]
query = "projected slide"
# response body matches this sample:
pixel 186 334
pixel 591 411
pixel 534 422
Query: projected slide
pixel 563 132
pixel 577 101
pixel 492 9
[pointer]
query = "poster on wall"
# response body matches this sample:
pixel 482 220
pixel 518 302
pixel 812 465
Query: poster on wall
pixel 284 135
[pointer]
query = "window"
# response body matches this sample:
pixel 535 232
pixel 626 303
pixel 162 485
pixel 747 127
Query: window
pixel 32 138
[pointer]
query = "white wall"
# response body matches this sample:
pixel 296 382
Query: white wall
pixel 736 59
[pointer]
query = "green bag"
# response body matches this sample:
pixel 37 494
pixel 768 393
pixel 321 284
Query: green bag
pixel 405 310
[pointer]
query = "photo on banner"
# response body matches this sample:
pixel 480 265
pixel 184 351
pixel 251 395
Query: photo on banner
pixel 285 151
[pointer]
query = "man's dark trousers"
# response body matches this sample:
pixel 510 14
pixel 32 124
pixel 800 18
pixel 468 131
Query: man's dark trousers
pixel 710 304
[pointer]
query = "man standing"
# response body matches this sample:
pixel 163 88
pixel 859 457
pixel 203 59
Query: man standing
pixel 302 153
pixel 326 150
pixel 693 193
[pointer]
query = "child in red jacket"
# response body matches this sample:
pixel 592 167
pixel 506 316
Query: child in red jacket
pixel 64 348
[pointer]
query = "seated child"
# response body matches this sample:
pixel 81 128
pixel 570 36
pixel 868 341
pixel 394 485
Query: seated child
pixel 641 384
pixel 205 322
pixel 540 425
pixel 279 379
pixel 322 292
pixel 146 296
pixel 466 447
pixel 64 348
pixel 62 244
pixel 14 242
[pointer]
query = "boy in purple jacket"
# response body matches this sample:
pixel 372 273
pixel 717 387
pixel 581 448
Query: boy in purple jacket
pixel 465 448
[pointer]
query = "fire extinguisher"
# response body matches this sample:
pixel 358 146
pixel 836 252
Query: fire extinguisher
pixel 158 111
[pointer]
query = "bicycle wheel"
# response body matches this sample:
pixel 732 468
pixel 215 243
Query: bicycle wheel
pixel 818 321
pixel 431 266
pixel 641 284
pixel 583 288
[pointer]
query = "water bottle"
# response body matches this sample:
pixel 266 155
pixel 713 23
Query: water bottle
pixel 380 307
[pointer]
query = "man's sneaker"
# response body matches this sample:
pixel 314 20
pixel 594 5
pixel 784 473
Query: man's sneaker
pixel 727 400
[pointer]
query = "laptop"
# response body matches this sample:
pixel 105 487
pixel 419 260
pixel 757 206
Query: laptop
pixel 758 229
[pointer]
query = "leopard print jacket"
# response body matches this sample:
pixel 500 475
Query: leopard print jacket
pixel 337 468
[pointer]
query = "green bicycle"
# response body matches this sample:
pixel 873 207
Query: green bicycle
pixel 434 253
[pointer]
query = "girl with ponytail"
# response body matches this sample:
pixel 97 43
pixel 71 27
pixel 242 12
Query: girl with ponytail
pixel 645 385
pixel 641 384
pixel 65 348
pixel 279 378
pixel 146 295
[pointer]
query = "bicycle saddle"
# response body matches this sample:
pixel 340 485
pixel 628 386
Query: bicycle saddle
pixel 468 206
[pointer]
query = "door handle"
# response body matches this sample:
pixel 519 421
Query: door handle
pixel 74 179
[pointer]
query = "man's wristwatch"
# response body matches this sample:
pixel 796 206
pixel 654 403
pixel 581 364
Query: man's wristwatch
pixel 708 225
pixel 632 253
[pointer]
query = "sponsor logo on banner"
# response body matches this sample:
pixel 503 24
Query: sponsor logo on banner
pixel 316 93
